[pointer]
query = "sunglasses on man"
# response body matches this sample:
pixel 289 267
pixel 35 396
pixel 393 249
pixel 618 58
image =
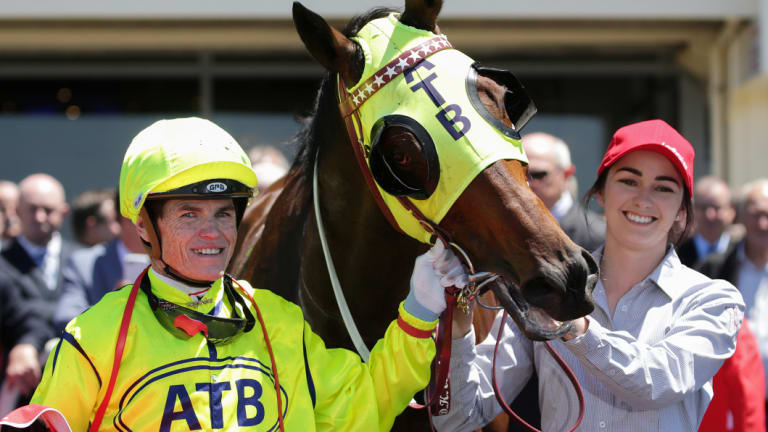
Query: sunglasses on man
pixel 537 175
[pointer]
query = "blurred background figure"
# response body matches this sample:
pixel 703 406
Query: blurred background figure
pixel 713 216
pixel 9 198
pixel 94 220
pixel 746 266
pixel 268 163
pixel 3 223
pixel 31 266
pixel 549 171
pixel 90 273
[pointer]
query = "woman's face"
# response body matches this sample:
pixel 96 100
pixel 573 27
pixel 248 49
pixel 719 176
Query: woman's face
pixel 642 197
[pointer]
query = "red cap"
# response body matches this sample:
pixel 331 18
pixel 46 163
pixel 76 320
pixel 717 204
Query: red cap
pixel 655 135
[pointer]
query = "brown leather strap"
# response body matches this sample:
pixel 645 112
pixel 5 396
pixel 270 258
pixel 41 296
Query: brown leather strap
pixel 560 362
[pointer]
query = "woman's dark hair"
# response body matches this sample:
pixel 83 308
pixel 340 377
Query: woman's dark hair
pixel 676 234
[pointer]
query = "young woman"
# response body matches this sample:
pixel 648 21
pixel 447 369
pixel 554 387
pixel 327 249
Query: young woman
pixel 646 355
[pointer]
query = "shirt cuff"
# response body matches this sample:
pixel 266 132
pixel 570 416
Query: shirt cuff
pixel 591 340
pixel 414 325
pixel 416 309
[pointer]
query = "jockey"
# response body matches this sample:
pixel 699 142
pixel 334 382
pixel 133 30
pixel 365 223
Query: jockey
pixel 197 349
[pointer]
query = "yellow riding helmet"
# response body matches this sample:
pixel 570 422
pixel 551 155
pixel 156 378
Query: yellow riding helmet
pixel 186 157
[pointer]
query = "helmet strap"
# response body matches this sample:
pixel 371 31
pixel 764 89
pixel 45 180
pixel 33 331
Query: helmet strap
pixel 155 250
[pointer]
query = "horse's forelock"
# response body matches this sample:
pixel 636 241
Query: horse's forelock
pixel 356 23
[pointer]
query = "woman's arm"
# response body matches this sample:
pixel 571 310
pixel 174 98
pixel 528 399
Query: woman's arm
pixel 473 403
pixel 695 345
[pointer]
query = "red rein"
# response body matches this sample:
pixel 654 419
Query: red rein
pixel 560 362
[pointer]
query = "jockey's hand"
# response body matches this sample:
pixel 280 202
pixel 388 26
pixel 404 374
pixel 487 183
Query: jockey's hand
pixel 23 371
pixel 432 273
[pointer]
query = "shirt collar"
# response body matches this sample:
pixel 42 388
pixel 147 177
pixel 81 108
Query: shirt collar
pixel 741 250
pixel 703 246
pixel 177 292
pixel 53 247
pixel 122 251
pixel 663 276
pixel 562 206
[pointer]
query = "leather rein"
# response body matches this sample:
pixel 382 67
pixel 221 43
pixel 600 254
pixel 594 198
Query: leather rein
pixel 437 394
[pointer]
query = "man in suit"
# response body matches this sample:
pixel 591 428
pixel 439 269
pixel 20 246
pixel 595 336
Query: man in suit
pixel 9 198
pixel 90 273
pixel 94 220
pixel 3 223
pixel 31 265
pixel 714 215
pixel 746 265
pixel 549 171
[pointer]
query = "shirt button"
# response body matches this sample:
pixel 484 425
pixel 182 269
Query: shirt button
pixel 214 377
pixel 612 372
pixel 624 308
pixel 602 424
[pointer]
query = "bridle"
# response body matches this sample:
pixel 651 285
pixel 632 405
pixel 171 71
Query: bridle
pixel 438 391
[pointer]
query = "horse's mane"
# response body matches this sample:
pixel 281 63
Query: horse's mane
pixel 324 108
pixel 262 255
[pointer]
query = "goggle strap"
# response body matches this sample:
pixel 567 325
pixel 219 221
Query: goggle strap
pixel 233 297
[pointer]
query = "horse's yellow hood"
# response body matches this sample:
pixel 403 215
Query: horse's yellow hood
pixel 433 91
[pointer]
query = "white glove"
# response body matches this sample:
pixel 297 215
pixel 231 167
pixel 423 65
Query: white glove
pixel 432 273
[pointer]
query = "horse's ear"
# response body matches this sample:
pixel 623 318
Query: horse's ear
pixel 422 14
pixel 328 46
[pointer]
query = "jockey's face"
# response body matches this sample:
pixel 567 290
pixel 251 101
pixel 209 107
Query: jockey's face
pixel 197 236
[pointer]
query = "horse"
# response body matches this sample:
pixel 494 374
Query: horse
pixel 499 223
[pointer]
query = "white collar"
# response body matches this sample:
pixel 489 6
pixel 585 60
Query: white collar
pixel 181 286
pixel 562 206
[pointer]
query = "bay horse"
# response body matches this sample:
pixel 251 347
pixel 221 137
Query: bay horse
pixel 500 223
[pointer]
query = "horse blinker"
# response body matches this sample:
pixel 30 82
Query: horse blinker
pixel 405 164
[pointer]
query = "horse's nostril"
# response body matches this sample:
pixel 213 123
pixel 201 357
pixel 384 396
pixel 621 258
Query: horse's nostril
pixel 561 255
pixel 591 263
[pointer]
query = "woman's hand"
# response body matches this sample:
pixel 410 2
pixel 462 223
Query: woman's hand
pixel 578 327
pixel 462 321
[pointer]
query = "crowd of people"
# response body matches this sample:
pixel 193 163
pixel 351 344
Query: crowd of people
pixel 46 279
pixel 678 337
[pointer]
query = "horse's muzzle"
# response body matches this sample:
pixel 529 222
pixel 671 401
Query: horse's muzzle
pixel 543 306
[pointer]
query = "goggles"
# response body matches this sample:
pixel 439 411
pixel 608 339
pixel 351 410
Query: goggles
pixel 185 323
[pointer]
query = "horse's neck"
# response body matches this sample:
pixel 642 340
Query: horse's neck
pixel 270 236
pixel 372 260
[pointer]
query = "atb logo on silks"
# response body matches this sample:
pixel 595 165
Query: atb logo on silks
pixel 216 187
pixel 203 394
